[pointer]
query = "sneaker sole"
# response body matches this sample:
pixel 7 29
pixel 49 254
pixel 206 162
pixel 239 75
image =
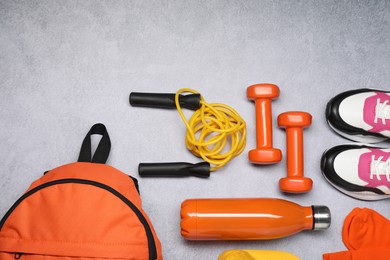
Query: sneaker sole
pixel 358 138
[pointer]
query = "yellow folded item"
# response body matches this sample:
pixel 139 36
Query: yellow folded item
pixel 256 255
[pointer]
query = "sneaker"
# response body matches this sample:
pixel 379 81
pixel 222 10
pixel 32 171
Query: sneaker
pixel 361 115
pixel 360 171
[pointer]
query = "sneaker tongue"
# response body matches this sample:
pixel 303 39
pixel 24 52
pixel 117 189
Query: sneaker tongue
pixel 382 111
pixel 376 112
pixel 380 168
pixel 374 168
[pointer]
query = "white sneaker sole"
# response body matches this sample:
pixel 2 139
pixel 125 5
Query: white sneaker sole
pixel 362 195
pixel 359 138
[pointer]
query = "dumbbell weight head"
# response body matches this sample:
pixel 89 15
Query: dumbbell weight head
pixel 265 155
pixel 264 90
pixel 294 119
pixel 295 184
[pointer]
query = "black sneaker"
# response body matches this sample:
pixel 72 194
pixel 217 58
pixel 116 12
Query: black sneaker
pixel 360 171
pixel 361 115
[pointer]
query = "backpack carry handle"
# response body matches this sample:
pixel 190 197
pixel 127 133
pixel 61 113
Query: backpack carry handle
pixel 102 150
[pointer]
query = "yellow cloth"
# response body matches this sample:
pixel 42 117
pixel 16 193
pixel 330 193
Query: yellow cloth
pixel 256 255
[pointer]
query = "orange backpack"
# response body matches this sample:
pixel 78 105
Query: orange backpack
pixel 83 210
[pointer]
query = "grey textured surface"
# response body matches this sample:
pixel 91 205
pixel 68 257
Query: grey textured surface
pixel 65 65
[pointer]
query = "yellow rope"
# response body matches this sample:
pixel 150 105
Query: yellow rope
pixel 215 132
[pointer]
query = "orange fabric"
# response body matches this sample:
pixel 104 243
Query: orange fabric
pixel 362 254
pixel 11 256
pixel 366 234
pixel 78 220
pixel 366 228
pixel 96 172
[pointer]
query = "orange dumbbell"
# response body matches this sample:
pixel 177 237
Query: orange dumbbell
pixel 294 122
pixel 264 153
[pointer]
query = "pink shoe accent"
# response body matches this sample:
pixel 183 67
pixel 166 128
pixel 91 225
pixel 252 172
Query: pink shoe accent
pixel 369 165
pixel 370 111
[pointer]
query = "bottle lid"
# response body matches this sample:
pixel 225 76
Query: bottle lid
pixel 322 218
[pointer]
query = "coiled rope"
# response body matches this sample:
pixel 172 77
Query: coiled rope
pixel 215 132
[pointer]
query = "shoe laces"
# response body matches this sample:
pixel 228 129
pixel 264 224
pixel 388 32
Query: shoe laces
pixel 382 111
pixel 379 167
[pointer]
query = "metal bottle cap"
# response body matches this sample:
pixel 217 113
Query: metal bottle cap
pixel 322 218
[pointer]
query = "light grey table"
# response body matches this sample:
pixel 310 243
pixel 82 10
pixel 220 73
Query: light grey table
pixel 65 65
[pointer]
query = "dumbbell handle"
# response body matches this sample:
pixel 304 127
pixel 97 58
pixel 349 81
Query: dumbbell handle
pixel 164 100
pixel 294 142
pixel 263 121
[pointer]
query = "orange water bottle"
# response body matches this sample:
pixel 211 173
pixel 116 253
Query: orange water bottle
pixel 248 219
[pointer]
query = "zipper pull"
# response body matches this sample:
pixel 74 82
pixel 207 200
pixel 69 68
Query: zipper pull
pixel 18 255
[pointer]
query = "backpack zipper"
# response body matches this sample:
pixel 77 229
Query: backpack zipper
pixel 144 222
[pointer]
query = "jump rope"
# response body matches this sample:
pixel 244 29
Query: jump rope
pixel 215 132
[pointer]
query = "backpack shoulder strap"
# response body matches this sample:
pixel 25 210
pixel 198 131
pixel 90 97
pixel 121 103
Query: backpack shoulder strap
pixel 102 150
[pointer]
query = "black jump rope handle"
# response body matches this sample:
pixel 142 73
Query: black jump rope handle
pixel 164 100
pixel 174 169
